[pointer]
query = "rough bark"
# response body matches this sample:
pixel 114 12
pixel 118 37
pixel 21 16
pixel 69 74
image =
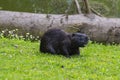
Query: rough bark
pixel 99 29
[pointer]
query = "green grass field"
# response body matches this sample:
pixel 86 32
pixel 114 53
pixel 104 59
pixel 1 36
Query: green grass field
pixel 21 60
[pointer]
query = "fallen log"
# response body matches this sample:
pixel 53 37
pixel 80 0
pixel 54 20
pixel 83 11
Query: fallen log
pixel 99 29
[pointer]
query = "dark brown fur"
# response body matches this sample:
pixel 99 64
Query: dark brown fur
pixel 56 41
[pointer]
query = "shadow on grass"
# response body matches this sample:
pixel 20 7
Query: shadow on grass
pixel 37 53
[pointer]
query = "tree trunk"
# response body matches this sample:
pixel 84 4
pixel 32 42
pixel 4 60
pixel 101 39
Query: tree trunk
pixel 99 29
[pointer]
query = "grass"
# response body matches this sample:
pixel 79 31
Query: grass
pixel 21 60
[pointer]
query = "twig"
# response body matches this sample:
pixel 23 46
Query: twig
pixel 97 13
pixel 88 11
pixel 78 6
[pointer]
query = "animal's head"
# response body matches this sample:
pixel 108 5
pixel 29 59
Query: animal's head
pixel 79 39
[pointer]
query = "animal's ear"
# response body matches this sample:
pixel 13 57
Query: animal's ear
pixel 73 34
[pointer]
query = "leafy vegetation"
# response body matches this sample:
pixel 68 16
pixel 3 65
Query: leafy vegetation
pixel 22 60
pixel 105 7
pixel 15 34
